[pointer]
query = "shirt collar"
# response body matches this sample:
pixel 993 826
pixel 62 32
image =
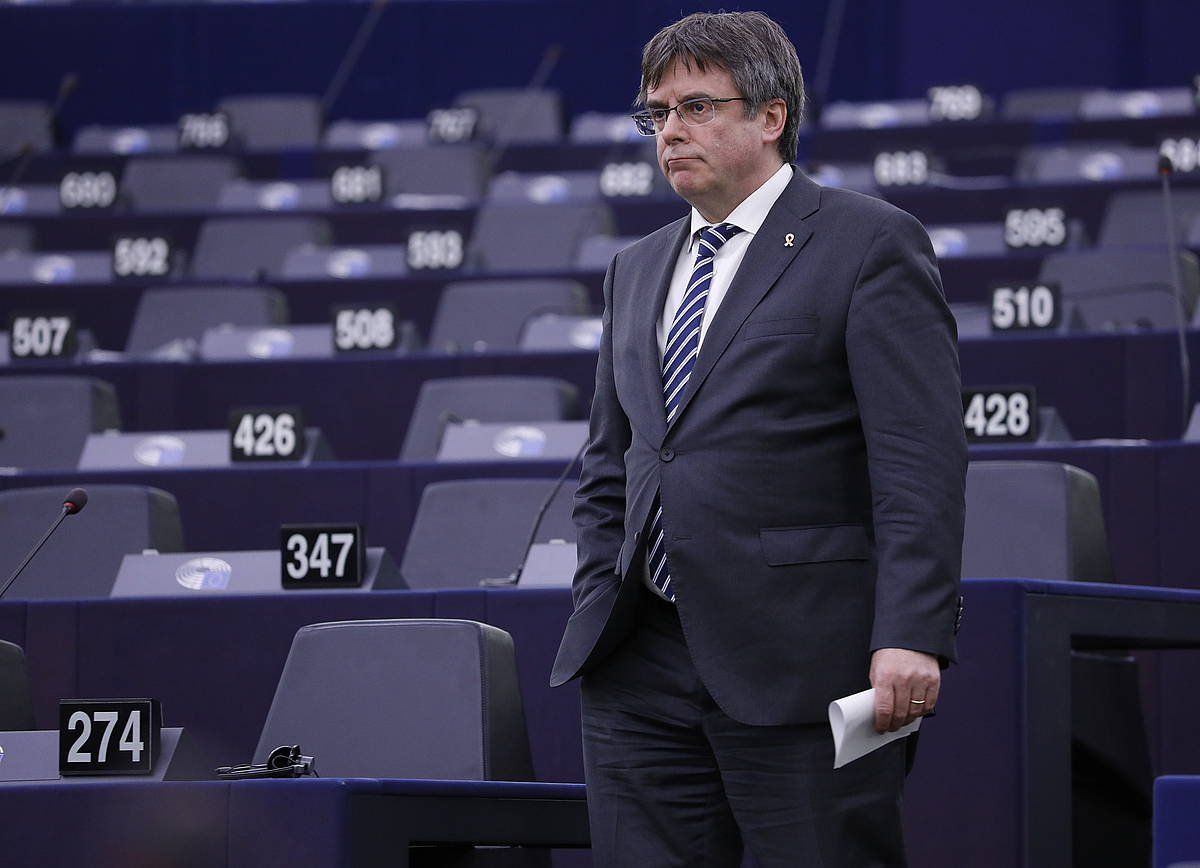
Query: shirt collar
pixel 753 210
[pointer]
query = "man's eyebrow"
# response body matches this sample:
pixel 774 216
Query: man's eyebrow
pixel 658 103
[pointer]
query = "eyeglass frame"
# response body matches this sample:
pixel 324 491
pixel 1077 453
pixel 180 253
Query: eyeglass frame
pixel 648 114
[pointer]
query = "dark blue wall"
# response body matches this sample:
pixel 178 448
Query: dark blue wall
pixel 150 63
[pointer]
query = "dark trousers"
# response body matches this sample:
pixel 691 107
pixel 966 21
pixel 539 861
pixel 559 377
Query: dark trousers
pixel 674 781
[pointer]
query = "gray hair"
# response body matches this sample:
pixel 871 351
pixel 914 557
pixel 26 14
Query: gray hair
pixel 751 47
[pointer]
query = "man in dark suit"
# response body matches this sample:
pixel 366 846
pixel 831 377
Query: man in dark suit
pixel 770 512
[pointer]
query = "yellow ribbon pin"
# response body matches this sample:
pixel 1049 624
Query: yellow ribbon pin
pixel 788 239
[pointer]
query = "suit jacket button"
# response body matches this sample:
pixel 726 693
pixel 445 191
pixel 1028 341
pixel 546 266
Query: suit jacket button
pixel 666 453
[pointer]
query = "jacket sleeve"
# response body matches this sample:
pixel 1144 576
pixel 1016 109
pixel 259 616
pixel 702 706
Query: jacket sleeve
pixel 599 512
pixel 901 346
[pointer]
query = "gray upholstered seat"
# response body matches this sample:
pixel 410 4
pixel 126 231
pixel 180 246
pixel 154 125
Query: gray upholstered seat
pixel 491 314
pixel 485 399
pixel 171 322
pixel 44 421
pixel 178 183
pixel 231 248
pixel 534 237
pixel 274 121
pixel 84 555
pixel 421 698
pixel 499 514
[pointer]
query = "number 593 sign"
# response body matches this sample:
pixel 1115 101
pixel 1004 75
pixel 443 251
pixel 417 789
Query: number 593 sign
pixel 108 736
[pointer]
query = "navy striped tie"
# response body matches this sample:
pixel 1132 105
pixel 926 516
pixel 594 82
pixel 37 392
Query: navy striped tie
pixel 683 346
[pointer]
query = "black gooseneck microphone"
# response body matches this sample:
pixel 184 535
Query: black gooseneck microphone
pixel 75 500
pixel 515 576
pixel 24 152
pixel 1166 168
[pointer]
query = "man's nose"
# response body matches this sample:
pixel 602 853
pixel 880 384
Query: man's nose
pixel 674 129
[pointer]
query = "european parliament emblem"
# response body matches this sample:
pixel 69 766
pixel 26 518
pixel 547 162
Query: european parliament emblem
pixel 270 344
pixel 54 269
pixel 161 450
pixel 348 263
pixel 280 196
pixel 520 441
pixel 204 574
pixel 131 140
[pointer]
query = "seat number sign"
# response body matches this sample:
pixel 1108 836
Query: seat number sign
pixel 108 736
pixel 1000 415
pixel 321 556
pixel 266 434
pixel 41 335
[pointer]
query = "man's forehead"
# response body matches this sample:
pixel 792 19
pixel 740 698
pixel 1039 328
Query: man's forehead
pixel 684 75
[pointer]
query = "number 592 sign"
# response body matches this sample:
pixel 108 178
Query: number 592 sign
pixel 108 736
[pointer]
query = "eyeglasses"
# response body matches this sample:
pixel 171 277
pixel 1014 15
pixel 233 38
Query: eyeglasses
pixel 693 112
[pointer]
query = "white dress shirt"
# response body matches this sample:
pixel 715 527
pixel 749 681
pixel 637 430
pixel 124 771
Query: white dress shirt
pixel 749 217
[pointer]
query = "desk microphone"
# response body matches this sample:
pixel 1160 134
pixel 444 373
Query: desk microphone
pixel 1166 168
pixel 515 576
pixel 24 151
pixel 75 500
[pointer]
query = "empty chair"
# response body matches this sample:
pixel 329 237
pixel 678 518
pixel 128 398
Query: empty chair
pixel 44 421
pixel 1044 103
pixel 598 128
pixel 419 698
pixel 181 183
pixel 1136 309
pixel 16 703
pixel 15 238
pixel 84 555
pixel 491 314
pixel 1137 217
pixel 1115 272
pixel 875 115
pixel 545 188
pixel 411 174
pixel 485 399
pixel 169 323
pixel 469 530
pixel 376 135
pixel 1192 434
pixel 597 252
pixel 159 138
pixel 1045 520
pixel 516 116
pixel 534 237
pixel 24 124
pixel 1034 519
pixel 274 122
pixel 1112 104
pixel 1091 161
pixel 244 249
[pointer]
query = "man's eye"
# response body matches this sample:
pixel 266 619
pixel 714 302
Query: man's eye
pixel 658 115
pixel 696 108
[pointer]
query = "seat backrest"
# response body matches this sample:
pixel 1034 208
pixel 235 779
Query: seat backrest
pixel 535 237
pixel 1148 308
pixel 1036 520
pixel 420 698
pixel 485 399
pixel 1117 271
pixel 512 116
pixel 44 421
pixel 468 530
pixel 1044 103
pixel 24 124
pixel 16 703
pixel 84 555
pixel 182 183
pixel 491 314
pixel 1137 217
pixel 435 170
pixel 15 237
pixel 165 316
pixel 1192 434
pixel 231 248
pixel 274 121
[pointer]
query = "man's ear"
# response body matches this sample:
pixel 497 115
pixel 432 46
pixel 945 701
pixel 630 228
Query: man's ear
pixel 774 116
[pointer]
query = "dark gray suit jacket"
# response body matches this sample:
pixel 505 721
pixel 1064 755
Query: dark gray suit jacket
pixel 812 480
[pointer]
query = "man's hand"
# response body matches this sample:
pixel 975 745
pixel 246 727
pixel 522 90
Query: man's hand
pixel 899 677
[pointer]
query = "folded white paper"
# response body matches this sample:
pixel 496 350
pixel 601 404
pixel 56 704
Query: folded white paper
pixel 852 719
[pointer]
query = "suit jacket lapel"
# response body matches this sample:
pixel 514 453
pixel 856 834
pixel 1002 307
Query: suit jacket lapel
pixel 658 276
pixel 765 260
